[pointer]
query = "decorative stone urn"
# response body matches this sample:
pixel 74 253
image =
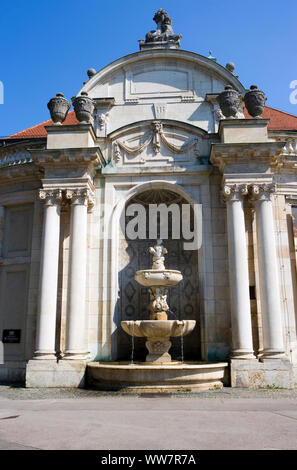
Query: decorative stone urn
pixel 255 101
pixel 58 108
pixel 230 102
pixel 158 329
pixel 83 107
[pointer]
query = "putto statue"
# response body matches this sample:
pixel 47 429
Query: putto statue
pixel 163 36
pixel 158 302
pixel 158 251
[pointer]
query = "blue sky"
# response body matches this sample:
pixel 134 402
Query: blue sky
pixel 47 46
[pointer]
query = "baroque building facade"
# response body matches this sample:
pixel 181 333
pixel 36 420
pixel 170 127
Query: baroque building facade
pixel 161 125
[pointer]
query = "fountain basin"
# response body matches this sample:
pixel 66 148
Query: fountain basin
pixel 158 328
pixel 156 277
pixel 158 333
pixel 144 377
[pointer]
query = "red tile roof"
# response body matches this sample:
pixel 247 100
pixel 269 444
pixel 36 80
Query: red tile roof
pixel 279 120
pixel 39 131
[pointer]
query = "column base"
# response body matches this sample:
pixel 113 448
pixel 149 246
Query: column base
pixel 51 374
pixel 242 354
pixel 272 354
pixel 268 373
pixel 45 356
pixel 75 355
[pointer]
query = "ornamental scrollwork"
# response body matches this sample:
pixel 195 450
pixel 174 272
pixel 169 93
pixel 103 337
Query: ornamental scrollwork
pixel 234 191
pixel 82 196
pixel 260 191
pixel 155 137
pixel 50 196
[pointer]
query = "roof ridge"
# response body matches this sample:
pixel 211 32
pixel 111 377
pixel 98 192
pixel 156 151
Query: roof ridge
pixel 280 111
pixel 29 128
pixel 43 123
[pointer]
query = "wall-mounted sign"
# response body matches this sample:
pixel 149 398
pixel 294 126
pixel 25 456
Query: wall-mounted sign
pixel 11 336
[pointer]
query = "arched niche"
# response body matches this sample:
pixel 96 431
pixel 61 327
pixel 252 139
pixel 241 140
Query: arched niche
pixel 133 299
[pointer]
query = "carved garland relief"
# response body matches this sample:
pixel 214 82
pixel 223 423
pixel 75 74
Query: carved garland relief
pixel 155 138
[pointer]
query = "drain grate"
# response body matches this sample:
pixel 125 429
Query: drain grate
pixel 155 395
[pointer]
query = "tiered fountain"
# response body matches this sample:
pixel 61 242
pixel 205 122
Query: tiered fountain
pixel 159 372
pixel 158 329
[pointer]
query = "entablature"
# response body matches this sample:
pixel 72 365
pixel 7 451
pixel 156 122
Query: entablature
pixel 90 158
pixel 246 157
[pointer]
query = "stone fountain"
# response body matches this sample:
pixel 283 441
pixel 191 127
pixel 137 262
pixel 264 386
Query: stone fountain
pixel 158 372
pixel 158 329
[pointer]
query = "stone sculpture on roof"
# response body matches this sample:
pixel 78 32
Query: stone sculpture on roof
pixel 163 35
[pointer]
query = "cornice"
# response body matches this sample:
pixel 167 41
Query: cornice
pixel 222 155
pixel 288 162
pixel 19 173
pixel 68 158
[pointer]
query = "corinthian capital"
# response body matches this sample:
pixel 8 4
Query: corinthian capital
pixel 262 191
pixel 50 197
pixel 82 196
pixel 234 192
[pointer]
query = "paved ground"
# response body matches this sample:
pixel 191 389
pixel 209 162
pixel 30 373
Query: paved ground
pixel 87 419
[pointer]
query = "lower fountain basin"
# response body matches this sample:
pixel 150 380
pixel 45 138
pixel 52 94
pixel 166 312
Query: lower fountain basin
pixel 144 377
pixel 157 334
pixel 158 328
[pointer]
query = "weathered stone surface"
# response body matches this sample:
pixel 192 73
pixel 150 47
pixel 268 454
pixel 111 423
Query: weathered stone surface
pixel 83 107
pixel 146 377
pixel 275 373
pixel 230 102
pixel 42 373
pixel 255 101
pixel 59 107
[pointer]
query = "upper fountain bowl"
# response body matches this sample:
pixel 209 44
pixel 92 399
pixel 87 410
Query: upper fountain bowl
pixel 156 277
pixel 158 328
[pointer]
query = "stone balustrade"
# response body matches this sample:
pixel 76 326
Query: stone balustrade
pixel 290 147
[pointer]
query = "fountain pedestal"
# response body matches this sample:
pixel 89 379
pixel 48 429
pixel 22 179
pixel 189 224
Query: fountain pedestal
pixel 158 350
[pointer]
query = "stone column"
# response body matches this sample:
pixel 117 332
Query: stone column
pixel 242 342
pixel 268 273
pixel 76 304
pixel 48 284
